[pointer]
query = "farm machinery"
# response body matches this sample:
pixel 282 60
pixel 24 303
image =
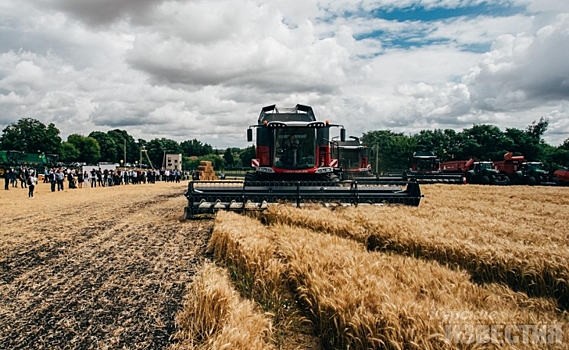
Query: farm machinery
pixel 352 159
pixel 562 176
pixel 425 168
pixel 293 163
pixel 476 172
pixel 522 172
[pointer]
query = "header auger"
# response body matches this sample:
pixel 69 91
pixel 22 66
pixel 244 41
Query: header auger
pixel 294 164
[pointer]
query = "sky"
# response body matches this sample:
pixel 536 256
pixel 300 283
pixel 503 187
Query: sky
pixel 203 70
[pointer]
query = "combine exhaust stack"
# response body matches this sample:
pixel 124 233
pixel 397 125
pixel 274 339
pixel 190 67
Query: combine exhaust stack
pixel 207 197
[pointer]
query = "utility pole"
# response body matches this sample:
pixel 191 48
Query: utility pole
pixel 124 149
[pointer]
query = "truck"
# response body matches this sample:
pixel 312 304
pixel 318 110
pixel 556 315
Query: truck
pixel 520 171
pixel 476 172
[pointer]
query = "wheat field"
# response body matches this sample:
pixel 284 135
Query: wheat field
pixel 396 277
pixel 118 268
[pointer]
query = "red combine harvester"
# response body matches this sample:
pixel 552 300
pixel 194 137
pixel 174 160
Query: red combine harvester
pixel 293 164
pixel 352 159
pixel 475 172
pixel 562 176
pixel 522 172
pixel 425 168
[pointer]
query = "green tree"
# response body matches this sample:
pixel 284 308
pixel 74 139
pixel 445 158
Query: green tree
pixel 444 144
pixel 247 155
pixel 482 141
pixel 228 157
pixel 108 145
pixel 89 149
pixel 69 153
pixel 125 145
pixel 158 148
pixel 195 148
pixel 392 150
pixel 31 136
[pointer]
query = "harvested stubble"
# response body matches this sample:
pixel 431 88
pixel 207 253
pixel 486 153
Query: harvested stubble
pixel 214 316
pixel 101 268
pixel 489 249
pixel 369 300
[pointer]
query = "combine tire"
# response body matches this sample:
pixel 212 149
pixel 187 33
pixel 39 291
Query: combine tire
pixel 250 177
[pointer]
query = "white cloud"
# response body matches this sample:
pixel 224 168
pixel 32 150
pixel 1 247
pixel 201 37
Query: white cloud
pixel 203 69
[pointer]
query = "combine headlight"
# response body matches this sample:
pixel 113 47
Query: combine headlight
pixel 324 170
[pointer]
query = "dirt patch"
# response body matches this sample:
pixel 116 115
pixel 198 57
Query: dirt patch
pixel 96 268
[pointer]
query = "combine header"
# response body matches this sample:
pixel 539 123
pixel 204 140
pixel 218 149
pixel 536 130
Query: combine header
pixel 293 164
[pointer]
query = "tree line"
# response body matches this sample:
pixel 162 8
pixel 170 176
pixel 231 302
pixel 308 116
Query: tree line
pixel 114 146
pixel 391 150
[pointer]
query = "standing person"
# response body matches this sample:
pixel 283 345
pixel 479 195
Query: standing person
pixel 59 177
pixel 79 175
pixel 7 177
pixel 23 178
pixel 13 177
pixel 52 179
pixel 31 184
pixel 93 178
pixel 85 179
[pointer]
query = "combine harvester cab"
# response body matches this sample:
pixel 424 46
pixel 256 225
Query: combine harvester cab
pixel 425 169
pixel 352 157
pixel 293 164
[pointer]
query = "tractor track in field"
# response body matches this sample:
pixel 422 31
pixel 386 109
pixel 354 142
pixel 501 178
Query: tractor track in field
pixel 110 277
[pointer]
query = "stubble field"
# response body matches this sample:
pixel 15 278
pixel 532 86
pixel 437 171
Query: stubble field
pixel 95 268
pixel 118 268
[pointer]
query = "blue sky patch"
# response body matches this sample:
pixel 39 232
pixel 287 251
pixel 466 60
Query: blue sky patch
pixel 437 14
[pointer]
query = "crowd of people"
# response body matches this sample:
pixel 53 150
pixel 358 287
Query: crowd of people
pixel 77 178
pixel 27 178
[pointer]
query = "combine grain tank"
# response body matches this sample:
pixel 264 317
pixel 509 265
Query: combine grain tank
pixel 293 164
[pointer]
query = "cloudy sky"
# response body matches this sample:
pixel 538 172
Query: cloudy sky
pixel 203 69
